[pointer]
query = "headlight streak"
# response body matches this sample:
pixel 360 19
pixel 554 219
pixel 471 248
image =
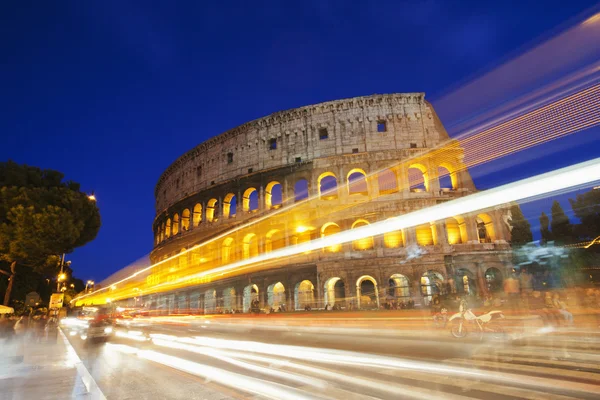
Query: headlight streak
pixel 128 335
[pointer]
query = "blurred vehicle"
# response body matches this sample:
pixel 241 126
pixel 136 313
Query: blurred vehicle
pixel 91 323
pixel 485 323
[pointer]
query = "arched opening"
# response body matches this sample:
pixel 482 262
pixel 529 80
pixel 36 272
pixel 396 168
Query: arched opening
pixel 229 206
pixel 447 178
pixel 357 182
pixel 163 230
pixel 175 228
pixel 276 295
pixel 210 301
pixel 432 283
pixel 157 238
pixel 485 229
pixel 331 228
pixel 424 235
pixel 335 292
pixel 327 183
pixel 399 287
pixel 388 181
pixel 301 190
pixel 304 295
pixel 250 246
pixel 229 299
pixel 168 228
pixel 367 293
pixel 494 280
pixel 365 243
pixel 273 195
pixel 274 240
pixel 465 282
pixel 197 217
pixel 227 251
pixel 212 211
pixel 250 295
pixel 417 178
pixel 456 230
pixel 185 220
pixel 394 239
pixel 250 200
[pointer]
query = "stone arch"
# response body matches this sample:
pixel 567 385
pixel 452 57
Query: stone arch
pixel 367 294
pixel 399 287
pixel 485 228
pixel 432 283
pixel 357 182
pixel 494 280
pixel 327 184
pixel 229 298
pixel 387 181
pixel 250 246
pixel 424 235
pixel 276 295
pixel 328 229
pixel 212 212
pixel 456 230
pixel 273 195
pixel 210 301
pixel 250 200
pixel 274 240
pixel 175 228
pixel 335 292
pixel 229 205
pixel 227 251
pixel 197 215
pixel 448 177
pixel 163 230
pixel 168 228
pixel 301 190
pixel 304 295
pixel 185 220
pixel 393 239
pixel 418 179
pixel 250 294
pixel 365 243
pixel 465 281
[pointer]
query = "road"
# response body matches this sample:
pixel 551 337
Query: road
pixel 240 358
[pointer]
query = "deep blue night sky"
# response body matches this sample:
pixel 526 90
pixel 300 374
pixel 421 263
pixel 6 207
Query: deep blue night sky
pixel 112 92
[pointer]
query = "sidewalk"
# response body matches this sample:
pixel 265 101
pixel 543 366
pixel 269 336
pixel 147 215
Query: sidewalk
pixel 43 368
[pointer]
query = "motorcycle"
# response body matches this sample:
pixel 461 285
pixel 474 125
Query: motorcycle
pixel 486 323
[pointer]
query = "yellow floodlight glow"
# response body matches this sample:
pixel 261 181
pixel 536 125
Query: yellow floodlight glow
pixel 302 229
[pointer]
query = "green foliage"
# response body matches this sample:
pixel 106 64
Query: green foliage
pixel 545 228
pixel 562 230
pixel 586 207
pixel 521 229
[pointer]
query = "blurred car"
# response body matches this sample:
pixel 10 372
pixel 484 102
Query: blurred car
pixel 91 323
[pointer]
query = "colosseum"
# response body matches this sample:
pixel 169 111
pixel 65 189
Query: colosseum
pixel 311 172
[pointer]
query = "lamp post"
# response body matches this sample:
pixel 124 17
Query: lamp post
pixel 89 283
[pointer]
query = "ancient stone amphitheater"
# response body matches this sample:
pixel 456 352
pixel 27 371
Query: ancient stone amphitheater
pixel 311 172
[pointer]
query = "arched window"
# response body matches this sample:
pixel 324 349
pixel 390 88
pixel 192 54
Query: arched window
pixel 447 178
pixel 212 210
pixel 250 296
pixel 455 230
pixel 387 181
pixel 197 218
pixel 250 246
pixel 432 283
pixel 227 251
pixel 357 182
pixel 465 281
pixel 229 205
pixel 327 183
pixel 168 228
pixel 250 200
pixel 276 294
pixel 417 178
pixel 493 279
pixel 393 239
pixel 185 220
pixel 367 292
pixel 304 295
pixel 301 190
pixel 424 235
pixel 485 228
pixel 331 228
pixel 365 243
pixel 163 230
pixel 273 195
pixel 175 229
pixel 399 286
pixel 335 292
pixel 275 240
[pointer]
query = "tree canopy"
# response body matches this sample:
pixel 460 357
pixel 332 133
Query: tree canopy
pixel 521 229
pixel 545 228
pixel 586 207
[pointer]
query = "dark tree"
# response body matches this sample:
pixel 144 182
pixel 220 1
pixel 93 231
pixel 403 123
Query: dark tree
pixel 41 217
pixel 586 207
pixel 521 229
pixel 562 229
pixel 545 228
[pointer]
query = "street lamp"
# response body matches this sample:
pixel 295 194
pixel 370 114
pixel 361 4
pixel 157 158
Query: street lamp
pixel 92 197
pixel 89 283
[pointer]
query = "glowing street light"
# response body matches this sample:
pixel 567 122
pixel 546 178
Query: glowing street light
pixel 92 197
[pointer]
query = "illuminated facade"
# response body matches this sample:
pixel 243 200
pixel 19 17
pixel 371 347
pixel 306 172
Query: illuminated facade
pixel 309 173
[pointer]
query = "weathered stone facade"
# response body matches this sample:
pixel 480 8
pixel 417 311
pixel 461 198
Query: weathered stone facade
pixel 357 159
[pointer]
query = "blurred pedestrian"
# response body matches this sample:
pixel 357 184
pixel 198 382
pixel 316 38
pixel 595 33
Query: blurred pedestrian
pixel 561 307
pixel 512 291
